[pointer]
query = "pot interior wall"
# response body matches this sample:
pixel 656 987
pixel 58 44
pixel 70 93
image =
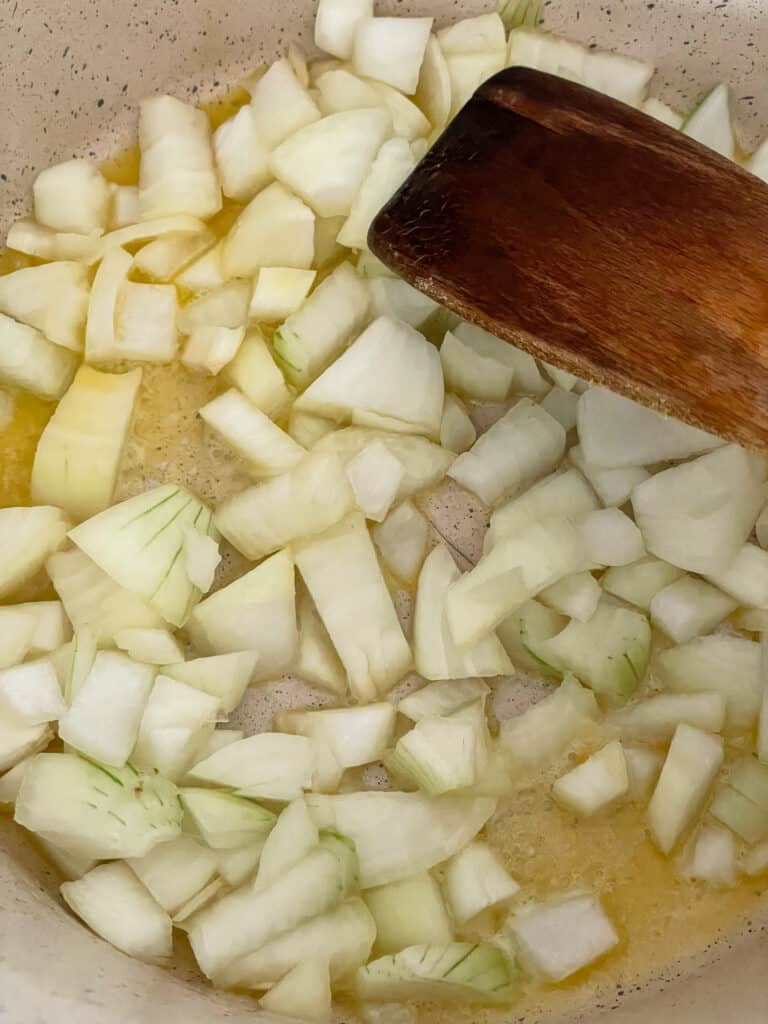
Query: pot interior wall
pixel 70 80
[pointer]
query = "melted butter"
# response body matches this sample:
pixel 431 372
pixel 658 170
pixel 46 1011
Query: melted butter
pixel 661 918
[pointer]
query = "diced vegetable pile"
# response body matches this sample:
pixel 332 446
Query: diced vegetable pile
pixel 624 558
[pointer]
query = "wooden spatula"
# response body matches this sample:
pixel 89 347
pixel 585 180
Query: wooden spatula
pixel 601 241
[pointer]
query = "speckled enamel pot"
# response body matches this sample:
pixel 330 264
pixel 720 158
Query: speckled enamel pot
pixel 71 74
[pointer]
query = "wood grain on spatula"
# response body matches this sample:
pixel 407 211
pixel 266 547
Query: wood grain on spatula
pixel 598 239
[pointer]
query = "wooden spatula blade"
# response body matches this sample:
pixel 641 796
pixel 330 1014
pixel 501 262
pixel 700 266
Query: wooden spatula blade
pixel 600 240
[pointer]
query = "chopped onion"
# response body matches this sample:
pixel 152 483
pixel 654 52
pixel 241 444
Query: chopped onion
pixel 443 698
pixel 558 939
pixel 204 273
pixel 241 156
pixel 31 692
pixel 356 735
pixel 391 50
pixel 524 444
pixel 474 373
pixel 268 766
pixel 104 717
pixel 303 502
pixel 303 993
pixel 692 763
pixel 596 783
pixel 576 596
pixel 35 240
pixel 317 662
pixel 222 820
pixel 177 720
pixel 79 453
pixel 698 515
pixel 468 71
pixel 454 973
pixel 53 298
pixel 639 582
pixel 662 112
pixel 562 405
pixel 710 123
pixel 254 372
pixel 567 493
pixel 613 486
pixel 30 361
pixel 175 872
pixel 210 349
pixel 408 122
pixel 319 331
pixel 71 197
pixel 643 766
pixel 94 601
pixel 113 903
pixel 408 912
pixel 223 676
pixel 267 449
pixel 543 732
pixel 713 857
pixel 19 741
pixel 398 835
pixel 610 652
pixel 256 612
pixel 343 576
pixel 457 431
pixel 100 334
pixel 327 162
pixel 375 475
pixel 145 322
pixel 397 299
pixel 473 35
pixel 655 719
pixel 201 559
pixel 433 93
pixel 611 538
pixel 617 433
pixel 441 755
pixel 402 540
pixel 177 173
pixel 391 166
pixel 689 607
pixel 166 256
pixel 475 880
pixel 336 22
pixel 281 105
pixel 125 206
pixel 28 536
pixel 279 292
pixel 140 543
pixel 390 377
pixel 436 655
pixel 746 577
pixel 276 229
pixel 514 571
pixel 151 646
pixel 17 628
pixel 424 464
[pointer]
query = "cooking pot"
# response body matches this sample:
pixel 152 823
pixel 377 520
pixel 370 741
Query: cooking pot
pixel 71 77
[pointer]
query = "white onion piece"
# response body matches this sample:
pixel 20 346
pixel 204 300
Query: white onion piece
pixel 473 35
pixel 165 257
pixel 436 655
pixel 31 692
pixel 392 165
pixel 53 298
pixel 408 122
pixel 513 572
pixel 276 229
pixel 616 433
pixel 395 298
pixel 434 88
pixel 662 112
pixel 689 607
pixel 389 377
pixel 761 528
pixel 375 475
pixel 35 240
pixel 611 538
pixel 100 334
pixel 524 444
pixel 279 292
pixel 424 464
pixel 124 206
pixel 177 721
pixel 326 162
pixel 710 123
pixel 177 173
pixel 402 540
pixel 468 71
pixel 280 104
pixel 318 332
pixel 242 158
pixel 254 372
pixel 71 197
pixel 317 662
pixel 559 939
pixel 391 50
pixel 343 576
pixel 145 322
pixel 596 783
pixel 336 22
pixel 639 582
pixel 471 372
pixel 562 494
pixel 457 431
pixel 713 857
pixel 303 502
pixel 699 514
pixel 267 449
pixel 256 612
pixel 576 596
pixel 210 349
pixel 746 577
pixel 613 486
pixel 29 361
